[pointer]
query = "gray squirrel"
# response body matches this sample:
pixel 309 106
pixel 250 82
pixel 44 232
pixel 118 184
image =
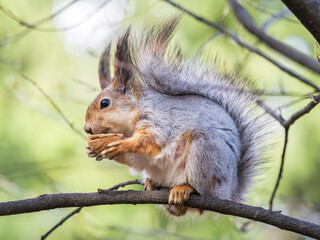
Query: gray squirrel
pixel 180 122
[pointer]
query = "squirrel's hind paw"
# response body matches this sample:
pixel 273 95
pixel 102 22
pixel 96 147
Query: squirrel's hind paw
pixel 180 194
pixel 148 186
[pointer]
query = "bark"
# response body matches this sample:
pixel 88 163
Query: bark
pixel 64 200
pixel 308 13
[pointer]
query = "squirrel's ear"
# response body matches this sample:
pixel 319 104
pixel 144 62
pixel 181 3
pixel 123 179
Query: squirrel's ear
pixel 104 68
pixel 123 75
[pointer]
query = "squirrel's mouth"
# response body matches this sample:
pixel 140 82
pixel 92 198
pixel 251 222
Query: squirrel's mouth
pixel 105 131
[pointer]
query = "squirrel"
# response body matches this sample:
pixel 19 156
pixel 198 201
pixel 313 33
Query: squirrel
pixel 181 122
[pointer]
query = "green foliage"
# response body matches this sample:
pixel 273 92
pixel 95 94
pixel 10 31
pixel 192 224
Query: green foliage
pixel 40 153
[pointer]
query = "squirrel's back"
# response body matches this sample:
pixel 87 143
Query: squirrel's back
pixel 202 144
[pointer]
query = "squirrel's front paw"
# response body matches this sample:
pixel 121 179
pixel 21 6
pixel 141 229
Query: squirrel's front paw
pixel 97 143
pixel 116 148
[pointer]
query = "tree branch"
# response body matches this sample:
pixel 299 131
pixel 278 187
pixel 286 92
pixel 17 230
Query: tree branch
pixel 78 209
pixel 301 112
pixel 286 124
pixel 308 14
pixel 281 168
pixel 248 46
pixel 293 54
pixel 39 22
pixel 36 26
pixel 64 200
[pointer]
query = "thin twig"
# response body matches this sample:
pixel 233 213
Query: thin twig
pixel 293 54
pixel 272 15
pixel 281 168
pixel 36 27
pixel 284 94
pixel 247 46
pixel 294 117
pixel 40 21
pixel 213 36
pixel 55 106
pixel 77 210
pixel 270 111
pixel 273 18
pixel 123 184
pixel 86 85
pixel 286 124
pixel 61 222
pixel 204 44
pixel 291 103
pixel 37 23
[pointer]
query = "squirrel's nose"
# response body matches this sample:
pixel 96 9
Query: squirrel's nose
pixel 87 129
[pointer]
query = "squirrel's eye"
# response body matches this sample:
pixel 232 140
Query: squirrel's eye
pixel 104 103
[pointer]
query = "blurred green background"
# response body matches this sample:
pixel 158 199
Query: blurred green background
pixel 40 153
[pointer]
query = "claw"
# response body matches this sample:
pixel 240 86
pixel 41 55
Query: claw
pixel 91 154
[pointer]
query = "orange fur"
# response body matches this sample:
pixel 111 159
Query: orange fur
pixel 143 144
pixel 140 143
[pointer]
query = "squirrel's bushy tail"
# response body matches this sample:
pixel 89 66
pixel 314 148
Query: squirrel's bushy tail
pixel 166 71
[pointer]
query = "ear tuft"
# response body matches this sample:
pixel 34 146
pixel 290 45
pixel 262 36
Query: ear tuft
pixel 104 68
pixel 123 64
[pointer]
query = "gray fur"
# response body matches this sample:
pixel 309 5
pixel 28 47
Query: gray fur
pixel 215 150
pixel 181 95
